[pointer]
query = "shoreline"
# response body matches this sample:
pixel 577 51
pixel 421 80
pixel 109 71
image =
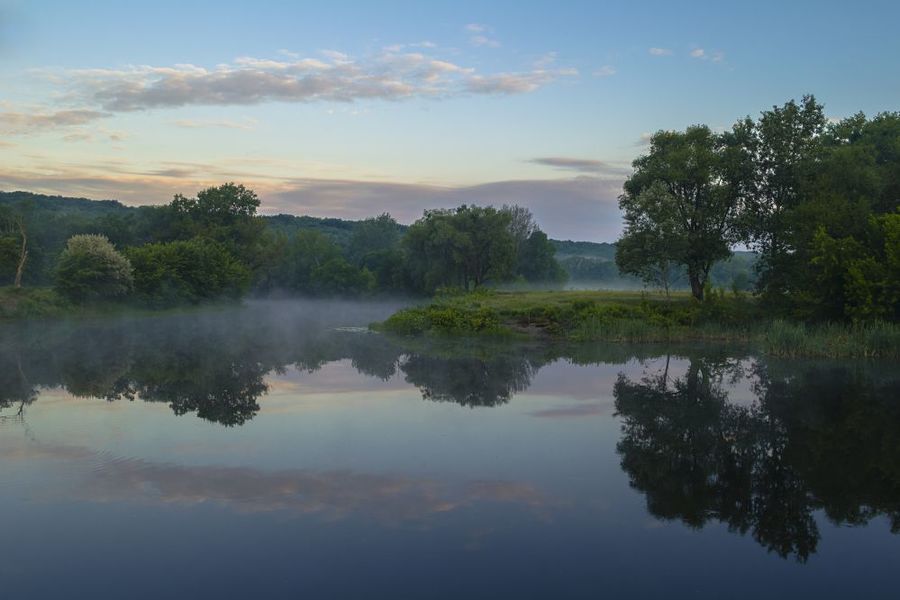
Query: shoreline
pixel 627 317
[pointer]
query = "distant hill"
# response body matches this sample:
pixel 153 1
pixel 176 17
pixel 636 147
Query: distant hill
pixel 597 250
pixel 64 205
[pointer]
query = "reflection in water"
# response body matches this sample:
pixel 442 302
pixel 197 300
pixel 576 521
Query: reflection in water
pixel 817 437
pixel 333 494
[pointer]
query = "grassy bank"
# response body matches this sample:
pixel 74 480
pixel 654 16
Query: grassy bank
pixel 28 303
pixel 18 304
pixel 637 317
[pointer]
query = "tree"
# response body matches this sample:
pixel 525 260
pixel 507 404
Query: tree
pixel 652 239
pixel 521 226
pixel 681 189
pixel 537 261
pixel 191 271
pixel 14 242
pixel 90 268
pixel 225 214
pixel 337 277
pixel 374 235
pixel 465 247
pixel 784 146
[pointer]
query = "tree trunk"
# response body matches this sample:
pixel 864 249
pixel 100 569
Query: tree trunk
pixel 23 256
pixel 696 286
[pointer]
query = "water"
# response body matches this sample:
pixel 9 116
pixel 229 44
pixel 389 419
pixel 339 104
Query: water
pixel 279 451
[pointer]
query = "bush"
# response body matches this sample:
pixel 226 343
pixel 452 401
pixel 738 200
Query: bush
pixel 186 272
pixel 90 268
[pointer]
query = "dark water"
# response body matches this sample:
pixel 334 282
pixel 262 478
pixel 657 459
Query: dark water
pixel 262 453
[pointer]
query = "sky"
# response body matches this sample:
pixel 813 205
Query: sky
pixel 350 109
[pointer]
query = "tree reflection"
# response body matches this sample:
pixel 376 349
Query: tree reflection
pixel 826 439
pixel 469 381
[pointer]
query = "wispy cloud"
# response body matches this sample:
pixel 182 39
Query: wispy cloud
pixel 400 47
pixel 582 165
pixel 714 56
pixel 19 122
pixel 659 51
pixel 336 77
pixel 605 71
pixel 246 124
pixel 480 35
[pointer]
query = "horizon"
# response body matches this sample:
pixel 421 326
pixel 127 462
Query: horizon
pixel 354 112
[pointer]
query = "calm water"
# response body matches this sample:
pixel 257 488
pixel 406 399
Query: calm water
pixel 276 452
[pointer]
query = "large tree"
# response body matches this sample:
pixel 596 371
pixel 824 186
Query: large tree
pixel 464 247
pixel 681 191
pixel 783 146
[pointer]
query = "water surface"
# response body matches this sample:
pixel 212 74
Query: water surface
pixel 278 451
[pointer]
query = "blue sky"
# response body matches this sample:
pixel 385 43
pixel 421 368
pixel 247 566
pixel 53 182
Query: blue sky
pixel 354 108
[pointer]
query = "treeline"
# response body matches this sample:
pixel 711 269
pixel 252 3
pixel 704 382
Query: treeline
pixel 816 200
pixel 215 246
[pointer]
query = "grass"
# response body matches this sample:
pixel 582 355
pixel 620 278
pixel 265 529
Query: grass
pixel 833 340
pixel 586 316
pixel 44 303
pixel 28 302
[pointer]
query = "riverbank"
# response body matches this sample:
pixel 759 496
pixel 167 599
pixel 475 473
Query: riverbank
pixel 637 317
pixel 30 303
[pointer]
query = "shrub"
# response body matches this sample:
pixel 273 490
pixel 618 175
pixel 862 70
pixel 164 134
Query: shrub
pixel 90 268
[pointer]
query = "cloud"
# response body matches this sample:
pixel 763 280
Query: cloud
pixel 335 78
pixel 401 47
pixel 479 35
pixel 605 71
pixel 581 207
pixel 246 124
pixel 659 52
pixel 582 165
pixel 514 83
pixel 19 123
pixel 716 56
pixel 644 139
pixel 78 136
pixel 483 40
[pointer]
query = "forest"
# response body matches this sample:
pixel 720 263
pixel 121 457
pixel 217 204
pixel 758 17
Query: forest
pixel 216 246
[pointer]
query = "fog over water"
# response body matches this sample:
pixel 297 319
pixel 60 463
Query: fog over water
pixel 280 449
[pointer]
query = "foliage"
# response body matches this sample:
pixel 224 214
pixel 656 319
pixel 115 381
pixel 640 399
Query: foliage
pixel 90 268
pixel 378 234
pixel 31 302
pixel 171 273
pixel 818 207
pixel 636 317
pixel 679 208
pixel 465 247
pixel 337 277
pixel 536 261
